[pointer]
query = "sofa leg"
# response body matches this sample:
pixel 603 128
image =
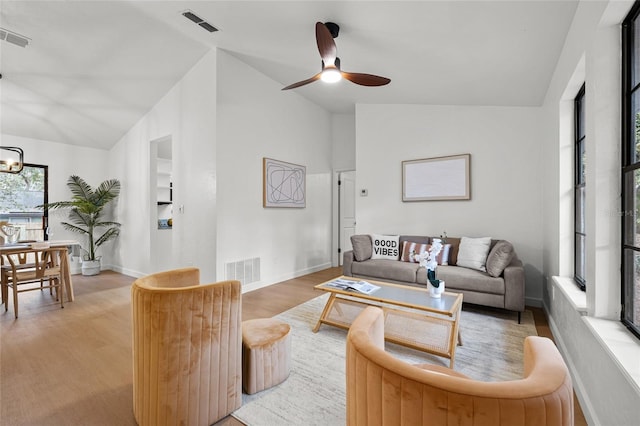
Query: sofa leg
pixel 519 314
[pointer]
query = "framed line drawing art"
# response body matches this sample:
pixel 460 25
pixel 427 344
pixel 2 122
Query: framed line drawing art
pixel 283 184
pixel 437 179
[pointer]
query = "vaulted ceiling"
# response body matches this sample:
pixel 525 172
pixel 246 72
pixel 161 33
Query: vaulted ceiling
pixel 92 69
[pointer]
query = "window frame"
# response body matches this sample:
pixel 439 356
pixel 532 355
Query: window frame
pixel 629 166
pixel 45 212
pixel 579 182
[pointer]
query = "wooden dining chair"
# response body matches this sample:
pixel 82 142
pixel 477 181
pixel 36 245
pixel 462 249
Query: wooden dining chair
pixel 23 262
pixel 46 267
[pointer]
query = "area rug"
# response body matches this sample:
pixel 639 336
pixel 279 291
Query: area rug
pixel 314 393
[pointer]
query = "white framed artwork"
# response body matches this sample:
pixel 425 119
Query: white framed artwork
pixel 437 179
pixel 284 184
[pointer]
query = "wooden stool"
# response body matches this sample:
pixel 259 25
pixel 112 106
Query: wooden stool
pixel 266 353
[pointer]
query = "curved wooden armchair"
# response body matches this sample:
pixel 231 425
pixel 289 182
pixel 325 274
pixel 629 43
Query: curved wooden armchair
pixel 187 349
pixel 383 390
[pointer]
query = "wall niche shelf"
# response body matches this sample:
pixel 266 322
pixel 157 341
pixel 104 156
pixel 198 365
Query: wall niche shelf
pixel 164 190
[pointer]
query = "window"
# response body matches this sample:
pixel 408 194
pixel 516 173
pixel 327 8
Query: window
pixel 579 227
pixel 19 195
pixel 631 170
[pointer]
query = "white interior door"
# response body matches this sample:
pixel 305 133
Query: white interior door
pixel 347 211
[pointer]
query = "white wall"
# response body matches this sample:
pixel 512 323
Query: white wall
pixel 343 137
pixel 187 113
pixel 217 194
pixel 63 161
pixel 607 391
pixel 506 165
pixel 255 120
pixel 557 141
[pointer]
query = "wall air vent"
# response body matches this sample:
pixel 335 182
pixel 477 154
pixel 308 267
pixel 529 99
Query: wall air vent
pixel 14 38
pixel 246 271
pixel 196 19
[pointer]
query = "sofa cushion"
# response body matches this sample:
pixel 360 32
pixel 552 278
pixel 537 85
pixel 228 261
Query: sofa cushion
pixel 457 278
pixel 453 252
pixel 414 238
pixel 499 257
pixel 444 255
pixel 385 247
pixel 473 252
pixel 361 247
pixel 409 247
pixel 386 269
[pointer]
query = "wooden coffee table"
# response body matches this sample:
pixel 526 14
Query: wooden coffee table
pixel 412 318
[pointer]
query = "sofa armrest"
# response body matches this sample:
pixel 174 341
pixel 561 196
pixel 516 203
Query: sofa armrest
pixel 514 286
pixel 347 260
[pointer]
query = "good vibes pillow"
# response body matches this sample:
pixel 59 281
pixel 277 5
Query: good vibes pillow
pixel 385 247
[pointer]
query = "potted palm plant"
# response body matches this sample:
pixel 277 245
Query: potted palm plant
pixel 86 217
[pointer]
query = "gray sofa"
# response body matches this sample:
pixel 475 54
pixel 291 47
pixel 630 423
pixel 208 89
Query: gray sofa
pixel 505 290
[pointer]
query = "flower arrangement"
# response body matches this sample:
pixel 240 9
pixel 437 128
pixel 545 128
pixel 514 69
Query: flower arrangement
pixel 429 261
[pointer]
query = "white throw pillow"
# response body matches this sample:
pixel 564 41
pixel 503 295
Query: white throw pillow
pixel 385 247
pixel 473 253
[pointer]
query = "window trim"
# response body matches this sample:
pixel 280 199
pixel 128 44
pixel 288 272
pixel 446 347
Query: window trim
pixel 578 119
pixel 628 42
pixel 45 213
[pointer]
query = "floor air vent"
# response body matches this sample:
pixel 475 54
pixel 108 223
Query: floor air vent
pixel 246 271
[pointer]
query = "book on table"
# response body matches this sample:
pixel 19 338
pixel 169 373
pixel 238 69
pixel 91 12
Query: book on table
pixel 351 285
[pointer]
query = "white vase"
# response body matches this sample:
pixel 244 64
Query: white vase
pixel 435 292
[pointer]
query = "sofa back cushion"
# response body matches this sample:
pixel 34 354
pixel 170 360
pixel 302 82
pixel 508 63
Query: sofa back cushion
pixel 414 239
pixel 362 248
pixel 499 257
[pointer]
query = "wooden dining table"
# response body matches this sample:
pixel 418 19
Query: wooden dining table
pixel 24 249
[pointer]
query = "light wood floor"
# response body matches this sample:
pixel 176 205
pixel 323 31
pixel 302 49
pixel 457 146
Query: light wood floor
pixel 73 365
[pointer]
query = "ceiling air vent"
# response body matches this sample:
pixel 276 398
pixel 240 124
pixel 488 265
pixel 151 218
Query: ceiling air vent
pixel 13 38
pixel 195 18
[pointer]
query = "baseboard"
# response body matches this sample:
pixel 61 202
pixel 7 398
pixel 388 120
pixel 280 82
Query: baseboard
pixel 530 301
pixel 124 271
pixel 246 288
pixel 578 386
pixel 75 268
pixel 284 277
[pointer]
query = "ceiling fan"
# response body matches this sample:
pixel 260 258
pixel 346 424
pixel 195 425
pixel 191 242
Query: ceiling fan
pixel 331 72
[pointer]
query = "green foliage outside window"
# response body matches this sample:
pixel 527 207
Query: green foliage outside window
pixel 22 191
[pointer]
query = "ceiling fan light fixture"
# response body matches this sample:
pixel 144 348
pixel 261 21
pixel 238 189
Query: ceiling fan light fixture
pixel 331 75
pixel 331 72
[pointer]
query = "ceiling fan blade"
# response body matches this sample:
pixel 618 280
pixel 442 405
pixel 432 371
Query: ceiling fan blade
pixel 303 82
pixel 326 45
pixel 365 79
